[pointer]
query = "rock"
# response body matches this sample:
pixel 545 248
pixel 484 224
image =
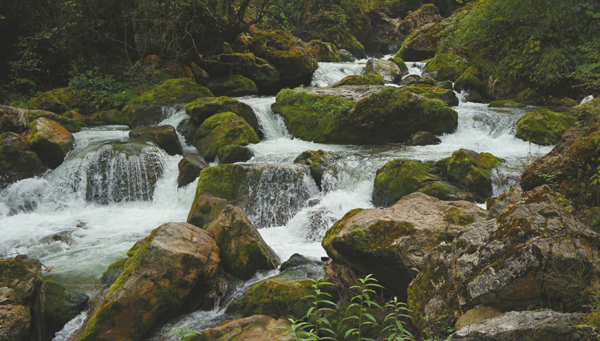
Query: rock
pixel 382 34
pixel 205 209
pixel 468 81
pixel 233 154
pixel 390 72
pixel 433 92
pixel 343 39
pixel 113 272
pixel 50 141
pixel 543 126
pixel 445 67
pixel 370 79
pixel 146 109
pixel 222 130
pixel 61 305
pixel 279 296
pixel 243 251
pixel 346 56
pixel 166 274
pixel 189 169
pixel 423 138
pixel 21 300
pixel 319 163
pixel 421 44
pixel 509 103
pixel 474 96
pixel 534 254
pixel 15 120
pixel 476 315
pixel 288 54
pixel 444 85
pixel 242 44
pixel 295 260
pixel 361 114
pixel 545 325
pixel 324 52
pixel 471 170
pixel 17 161
pixel 205 107
pixel 235 86
pixel 60 100
pixel 398 178
pixel 400 63
pixel 107 117
pixel 426 14
pixel 531 97
pixel 260 71
pixel 163 136
pixel 256 327
pixel 391 244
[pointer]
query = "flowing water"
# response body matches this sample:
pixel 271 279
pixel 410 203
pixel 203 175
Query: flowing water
pixel 87 213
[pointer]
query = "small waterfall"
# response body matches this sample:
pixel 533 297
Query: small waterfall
pixel 415 68
pixel 272 126
pixel 330 73
pixel 587 99
pixel 175 120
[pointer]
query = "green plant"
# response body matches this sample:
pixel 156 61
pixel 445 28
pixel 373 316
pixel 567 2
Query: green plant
pixel 396 325
pixel 105 92
pixel 362 301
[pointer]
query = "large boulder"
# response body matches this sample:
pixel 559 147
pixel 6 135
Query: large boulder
pixel 234 86
pixel 469 81
pixel 390 71
pixel 50 140
pixel 288 54
pixel 472 170
pixel 205 209
pixel 434 92
pixel 233 154
pixel 147 108
pixel 426 14
pixel 243 251
pixel 543 126
pixel 324 52
pixel 391 244
pixel 263 74
pixel 61 305
pixel 21 300
pixel 382 35
pixel 222 130
pixel 421 44
pixel 60 100
pixel 400 177
pixel 445 67
pixel 163 136
pixel 531 253
pixel 13 119
pixel 189 168
pixel 256 327
pixel 370 79
pixel 17 161
pixel 168 272
pixel 343 39
pixel 422 138
pixel 205 107
pixel 319 162
pixel 361 114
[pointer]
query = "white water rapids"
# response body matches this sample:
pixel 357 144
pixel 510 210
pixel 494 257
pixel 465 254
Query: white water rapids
pixel 49 218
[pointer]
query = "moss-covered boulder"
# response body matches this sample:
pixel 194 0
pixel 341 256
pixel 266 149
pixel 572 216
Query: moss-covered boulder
pixel 389 70
pixel 422 138
pixel 168 272
pixel 343 39
pixel 243 251
pixel 324 52
pixel 531 253
pixel 234 86
pixel 256 327
pixel 370 79
pixel 445 67
pixel 163 136
pixel 468 81
pixel 288 54
pixel 17 160
pixel 361 114
pixel 476 315
pixel 189 169
pixel 233 154
pixel 205 209
pixel 61 305
pixel 60 100
pixel 260 71
pixel 319 163
pixel 543 126
pixel 421 44
pixel 391 244
pixel 146 109
pixel 222 130
pixel 50 140
pixel 21 300
pixel 434 92
pixel 506 103
pixel 279 296
pixel 202 108
pixel 398 178
pixel 13 119
pixel 472 170
pixel 107 117
pixel 400 63
pixel 426 14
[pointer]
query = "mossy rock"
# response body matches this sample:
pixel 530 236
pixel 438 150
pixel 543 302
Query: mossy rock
pixel 146 109
pixel 421 44
pixel 222 130
pixel 422 138
pixel 294 261
pixel 389 70
pixel 60 100
pixel 234 86
pixel 433 92
pixel 444 190
pixel 324 52
pixel 223 181
pixel 71 120
pixel 233 154
pixel 532 97
pixel 17 161
pixel 445 67
pixel 343 39
pixel 278 296
pixel 398 178
pixel 318 162
pixel 468 81
pixel 444 85
pixel 263 74
pixel 112 273
pixel 190 167
pixel 400 63
pixel 474 96
pixel 61 305
pixel 287 53
pixel 107 117
pixel 472 170
pixel 370 79
pixel 202 108
pixel 163 136
pixel 543 126
pixel 50 140
pixel 387 115
pixel 205 209
pixel 508 103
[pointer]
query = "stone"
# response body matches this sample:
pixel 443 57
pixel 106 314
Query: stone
pixel 423 138
pixel 324 52
pixel 233 154
pixel 343 39
pixel 370 79
pixel 205 209
pixel 421 44
pixel 390 72
pixel 426 14
pixel 319 163
pixel 382 34
pixel 243 251
pixel 61 305
pixel 13 119
pixel 190 167
pixel 434 92
pixel 163 136
pixel 17 160
pixel 234 86
pixel 471 170
pixel 166 274
pixel 50 140
pixel 543 126
pixel 400 177
pixel 445 67
pixel 205 107
pixel 60 100
pixel 476 315
pixel 295 260
pixel 252 328
pixel 222 130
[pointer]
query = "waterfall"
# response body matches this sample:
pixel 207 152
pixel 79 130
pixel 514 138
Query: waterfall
pixel 270 124
pixel 330 73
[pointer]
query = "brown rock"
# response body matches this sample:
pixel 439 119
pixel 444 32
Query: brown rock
pixel 51 141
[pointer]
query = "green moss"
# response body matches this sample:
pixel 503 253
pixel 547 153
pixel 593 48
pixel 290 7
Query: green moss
pixel 543 126
pixel 233 154
pixel 468 81
pixel 398 178
pixel 472 170
pixel 453 216
pixel 447 66
pixel 234 86
pixel 343 39
pixel 324 52
pixel 223 181
pixel 204 107
pixel 509 103
pixel 380 235
pixel 337 226
pixel 221 130
pixel 11 271
pixel 399 62
pixel 433 92
pixel 370 79
pixel 441 190
pixel 114 270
